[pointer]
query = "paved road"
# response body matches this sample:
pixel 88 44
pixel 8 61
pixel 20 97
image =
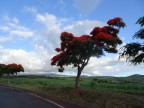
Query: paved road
pixel 11 98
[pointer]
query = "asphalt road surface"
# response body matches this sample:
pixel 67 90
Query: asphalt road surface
pixel 12 98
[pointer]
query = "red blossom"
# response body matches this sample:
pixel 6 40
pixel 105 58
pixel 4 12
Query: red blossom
pixel 109 30
pixel 19 66
pixel 116 22
pixel 81 39
pixel 56 58
pixel 57 49
pixel 16 66
pixel 95 31
pixel 65 36
pixel 13 68
pixel 103 36
pixel 105 29
pixel 64 45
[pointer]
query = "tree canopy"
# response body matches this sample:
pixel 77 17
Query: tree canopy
pixel 134 51
pixel 76 51
pixel 10 69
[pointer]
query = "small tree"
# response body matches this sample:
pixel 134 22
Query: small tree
pixel 134 52
pixel 10 69
pixel 14 68
pixel 1 70
pixel 76 51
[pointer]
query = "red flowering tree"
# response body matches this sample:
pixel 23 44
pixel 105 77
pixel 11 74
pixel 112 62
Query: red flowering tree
pixel 1 70
pixel 10 69
pixel 14 68
pixel 77 51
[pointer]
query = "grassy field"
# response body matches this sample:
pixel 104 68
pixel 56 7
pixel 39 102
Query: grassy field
pixel 94 92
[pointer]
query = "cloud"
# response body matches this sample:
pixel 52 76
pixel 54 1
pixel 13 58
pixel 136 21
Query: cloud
pixel 51 27
pixel 5 39
pixel 32 10
pixel 83 27
pixel 32 61
pixel 49 20
pixel 46 37
pixel 4 28
pixel 50 38
pixel 11 27
pixel 87 6
pixel 38 62
pixel 103 66
pixel 22 33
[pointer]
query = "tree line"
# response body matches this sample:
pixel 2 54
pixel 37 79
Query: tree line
pixel 10 69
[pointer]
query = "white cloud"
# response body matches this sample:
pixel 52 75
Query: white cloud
pixel 87 6
pixel 49 39
pixel 31 61
pixel 32 10
pixel 12 26
pixel 46 38
pixel 24 34
pixel 108 67
pixel 4 28
pixel 15 20
pixel 50 21
pixel 48 35
pixel 5 39
pixel 83 27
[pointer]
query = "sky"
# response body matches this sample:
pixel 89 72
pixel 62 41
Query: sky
pixel 30 31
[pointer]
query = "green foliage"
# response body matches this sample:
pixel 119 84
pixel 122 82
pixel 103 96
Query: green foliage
pixel 134 51
pixel 140 21
pixel 139 34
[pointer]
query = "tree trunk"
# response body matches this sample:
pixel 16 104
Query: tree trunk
pixel 77 80
pixel 80 68
pixel 1 75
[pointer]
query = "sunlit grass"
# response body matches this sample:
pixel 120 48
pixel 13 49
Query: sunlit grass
pixel 85 83
pixel 93 92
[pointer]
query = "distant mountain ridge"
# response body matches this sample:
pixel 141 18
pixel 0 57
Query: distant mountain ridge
pixel 61 75
pixel 136 76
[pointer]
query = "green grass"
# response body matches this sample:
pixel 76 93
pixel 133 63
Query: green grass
pixel 85 83
pixel 93 92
